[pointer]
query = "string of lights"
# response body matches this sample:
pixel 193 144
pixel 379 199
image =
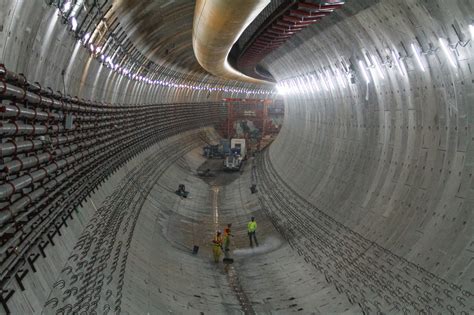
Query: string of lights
pixel 96 30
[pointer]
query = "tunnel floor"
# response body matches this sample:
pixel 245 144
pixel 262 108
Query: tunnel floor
pixel 218 177
pixel 147 266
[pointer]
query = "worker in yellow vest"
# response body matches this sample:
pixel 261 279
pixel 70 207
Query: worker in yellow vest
pixel 217 246
pixel 251 230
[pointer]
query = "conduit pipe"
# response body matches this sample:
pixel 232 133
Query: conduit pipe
pixel 217 25
pixel 48 170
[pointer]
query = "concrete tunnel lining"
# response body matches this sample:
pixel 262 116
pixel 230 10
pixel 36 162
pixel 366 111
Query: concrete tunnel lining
pixel 152 272
pixel 370 187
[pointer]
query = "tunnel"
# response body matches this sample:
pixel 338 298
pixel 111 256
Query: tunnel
pixel 363 198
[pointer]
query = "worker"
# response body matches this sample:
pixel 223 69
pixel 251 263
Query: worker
pixel 251 230
pixel 227 235
pixel 217 246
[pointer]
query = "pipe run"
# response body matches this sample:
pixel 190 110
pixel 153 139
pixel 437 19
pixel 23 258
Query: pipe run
pixel 217 25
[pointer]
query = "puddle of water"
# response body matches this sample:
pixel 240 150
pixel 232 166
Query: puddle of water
pixel 215 206
pixel 269 244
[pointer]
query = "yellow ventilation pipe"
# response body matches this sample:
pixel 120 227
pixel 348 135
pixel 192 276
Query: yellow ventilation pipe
pixel 217 25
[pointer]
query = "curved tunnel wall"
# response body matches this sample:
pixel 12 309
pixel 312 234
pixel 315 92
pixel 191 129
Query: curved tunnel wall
pixel 392 161
pixel 33 41
pixel 396 168
pixel 36 42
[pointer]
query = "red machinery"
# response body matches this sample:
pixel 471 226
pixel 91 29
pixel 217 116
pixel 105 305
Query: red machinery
pixel 258 111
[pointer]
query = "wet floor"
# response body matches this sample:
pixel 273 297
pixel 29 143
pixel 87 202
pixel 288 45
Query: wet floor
pixel 216 178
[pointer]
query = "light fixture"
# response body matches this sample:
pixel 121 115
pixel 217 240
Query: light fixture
pixel 346 71
pixel 444 48
pixel 73 23
pixel 377 66
pixel 67 6
pixel 369 67
pixel 395 59
pixel 364 72
pixel 417 57
pixel 280 89
pixel 85 38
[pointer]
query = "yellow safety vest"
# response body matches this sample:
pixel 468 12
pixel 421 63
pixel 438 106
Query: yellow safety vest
pixel 217 241
pixel 252 226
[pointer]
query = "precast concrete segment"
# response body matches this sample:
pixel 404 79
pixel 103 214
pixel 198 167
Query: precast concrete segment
pixel 162 274
pixel 44 270
pixel 231 272
pixel 42 187
pixel 274 278
pixel 93 278
pixel 281 282
pixel 392 160
pixel 371 276
pixel 35 41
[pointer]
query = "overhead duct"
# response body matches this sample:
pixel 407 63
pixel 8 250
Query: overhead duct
pixel 286 21
pixel 217 26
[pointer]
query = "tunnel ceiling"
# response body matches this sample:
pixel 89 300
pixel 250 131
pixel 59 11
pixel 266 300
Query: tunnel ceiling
pixel 161 30
pixel 288 19
pixel 367 192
